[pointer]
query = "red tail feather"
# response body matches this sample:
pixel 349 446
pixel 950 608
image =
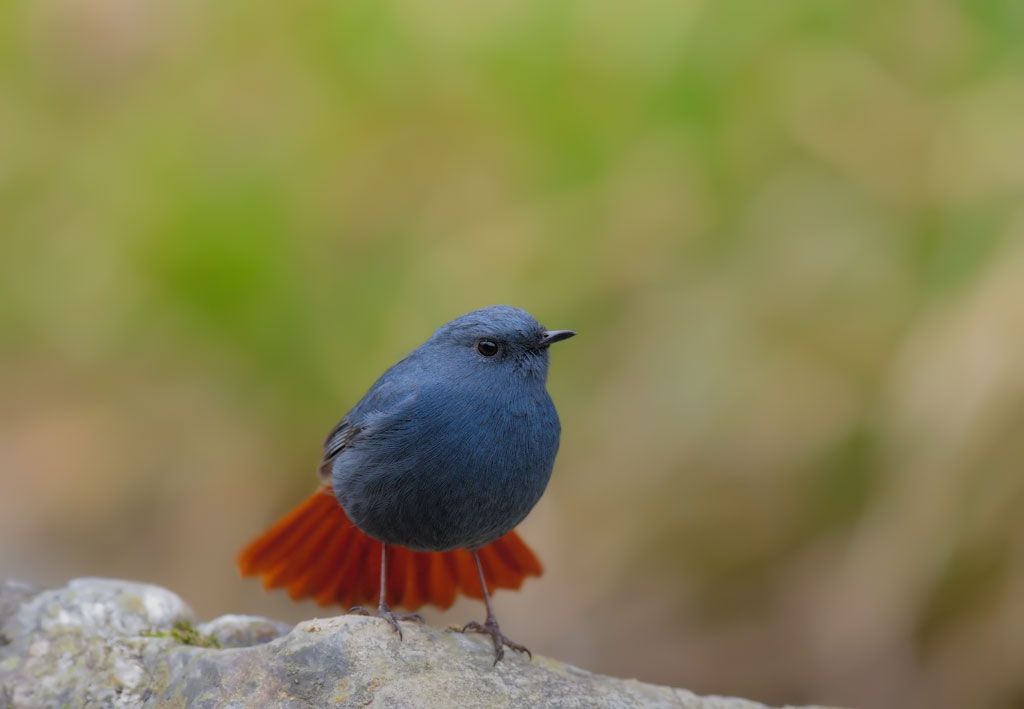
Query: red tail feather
pixel 315 551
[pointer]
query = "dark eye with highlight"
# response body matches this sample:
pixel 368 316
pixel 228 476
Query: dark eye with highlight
pixel 488 348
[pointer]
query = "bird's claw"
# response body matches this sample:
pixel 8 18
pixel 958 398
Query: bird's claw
pixel 392 618
pixel 490 627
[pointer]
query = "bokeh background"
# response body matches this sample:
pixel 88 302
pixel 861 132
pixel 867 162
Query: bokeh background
pixel 790 234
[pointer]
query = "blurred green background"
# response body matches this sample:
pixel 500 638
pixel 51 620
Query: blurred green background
pixel 790 234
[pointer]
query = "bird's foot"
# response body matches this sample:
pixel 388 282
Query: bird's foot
pixel 384 612
pixel 490 627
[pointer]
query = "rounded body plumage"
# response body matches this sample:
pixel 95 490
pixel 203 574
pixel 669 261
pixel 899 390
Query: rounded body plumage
pixel 460 469
pixel 454 445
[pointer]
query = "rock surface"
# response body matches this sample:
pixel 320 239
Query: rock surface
pixel 108 643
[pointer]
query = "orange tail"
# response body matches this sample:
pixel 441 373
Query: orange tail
pixel 315 551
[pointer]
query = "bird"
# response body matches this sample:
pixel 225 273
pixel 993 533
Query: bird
pixel 424 480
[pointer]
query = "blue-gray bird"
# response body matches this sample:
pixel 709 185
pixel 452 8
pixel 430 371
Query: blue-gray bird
pixel 424 480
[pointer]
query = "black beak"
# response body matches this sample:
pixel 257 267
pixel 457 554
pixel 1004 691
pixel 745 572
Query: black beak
pixel 550 337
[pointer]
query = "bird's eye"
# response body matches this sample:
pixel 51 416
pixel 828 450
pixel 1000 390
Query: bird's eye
pixel 487 348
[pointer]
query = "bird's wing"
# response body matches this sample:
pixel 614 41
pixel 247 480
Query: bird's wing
pixel 340 438
pixel 385 401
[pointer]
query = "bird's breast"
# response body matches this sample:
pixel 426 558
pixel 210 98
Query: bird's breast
pixel 461 472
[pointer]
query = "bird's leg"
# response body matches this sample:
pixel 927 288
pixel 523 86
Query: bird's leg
pixel 383 609
pixel 490 626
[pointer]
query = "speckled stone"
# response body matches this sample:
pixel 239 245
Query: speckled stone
pixel 108 643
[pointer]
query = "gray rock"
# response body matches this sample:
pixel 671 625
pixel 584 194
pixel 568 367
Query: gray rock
pixel 12 595
pixel 108 643
pixel 243 630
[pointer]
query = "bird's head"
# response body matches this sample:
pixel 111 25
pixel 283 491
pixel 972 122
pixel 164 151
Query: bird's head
pixel 499 337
